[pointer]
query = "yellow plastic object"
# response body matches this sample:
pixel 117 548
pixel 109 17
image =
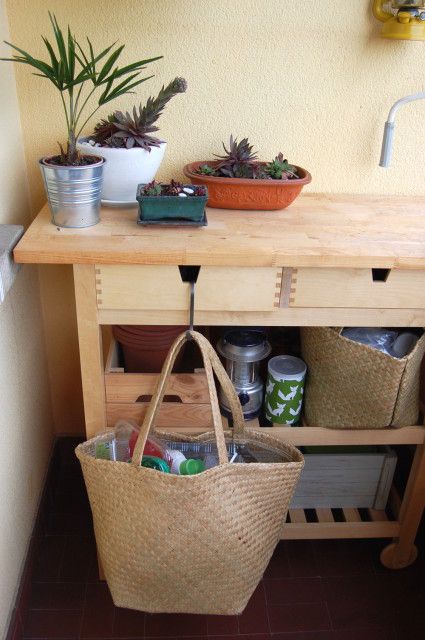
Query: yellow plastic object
pixel 405 23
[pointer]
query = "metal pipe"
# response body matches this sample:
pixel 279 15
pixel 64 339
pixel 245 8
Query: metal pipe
pixel 379 10
pixel 387 141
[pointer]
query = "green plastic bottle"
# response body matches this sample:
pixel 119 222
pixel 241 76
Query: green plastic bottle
pixel 152 462
pixel 191 467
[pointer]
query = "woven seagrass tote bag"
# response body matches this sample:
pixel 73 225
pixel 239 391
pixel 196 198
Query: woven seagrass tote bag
pixel 351 385
pixel 193 544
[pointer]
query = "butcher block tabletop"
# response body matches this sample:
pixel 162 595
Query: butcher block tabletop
pixel 315 231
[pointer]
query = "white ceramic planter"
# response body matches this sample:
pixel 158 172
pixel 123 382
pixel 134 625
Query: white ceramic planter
pixel 124 169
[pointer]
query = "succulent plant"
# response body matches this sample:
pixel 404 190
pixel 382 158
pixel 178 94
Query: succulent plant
pixel 124 130
pixel 206 170
pixel 152 189
pixel 239 162
pixel 200 191
pixel 174 188
pixel 280 169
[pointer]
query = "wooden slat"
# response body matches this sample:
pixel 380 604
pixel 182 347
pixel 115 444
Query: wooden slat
pixel 126 388
pixel 112 360
pixel 324 515
pixel 297 515
pixel 187 416
pixel 289 317
pixel 377 515
pixel 249 424
pixel 330 530
pixel 304 436
pixel 356 231
pixel 91 354
pixel 351 515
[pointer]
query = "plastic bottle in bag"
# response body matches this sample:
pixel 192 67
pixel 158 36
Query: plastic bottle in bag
pixel 123 433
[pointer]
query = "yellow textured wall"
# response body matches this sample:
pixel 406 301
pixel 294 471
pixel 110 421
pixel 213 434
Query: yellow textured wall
pixel 311 79
pixel 25 416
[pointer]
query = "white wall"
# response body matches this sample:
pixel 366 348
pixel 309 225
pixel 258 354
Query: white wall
pixel 25 415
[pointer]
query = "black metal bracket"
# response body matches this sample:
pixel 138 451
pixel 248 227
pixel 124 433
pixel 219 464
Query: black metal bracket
pixel 191 309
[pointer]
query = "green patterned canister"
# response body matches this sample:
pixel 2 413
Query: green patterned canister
pixel 284 390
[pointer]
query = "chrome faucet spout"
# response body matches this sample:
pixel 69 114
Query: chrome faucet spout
pixel 387 141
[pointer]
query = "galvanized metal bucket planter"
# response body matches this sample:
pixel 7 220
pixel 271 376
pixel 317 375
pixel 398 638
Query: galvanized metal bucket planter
pixel 171 208
pixel 73 193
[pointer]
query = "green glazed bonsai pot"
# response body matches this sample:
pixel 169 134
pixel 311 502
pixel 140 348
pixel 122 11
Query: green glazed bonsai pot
pixel 170 208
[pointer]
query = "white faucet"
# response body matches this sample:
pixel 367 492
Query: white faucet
pixel 387 142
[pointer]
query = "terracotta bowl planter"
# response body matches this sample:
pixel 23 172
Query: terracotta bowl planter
pixel 243 193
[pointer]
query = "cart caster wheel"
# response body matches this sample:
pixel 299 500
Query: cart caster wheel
pixel 387 557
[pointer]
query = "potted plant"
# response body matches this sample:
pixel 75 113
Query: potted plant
pixel 73 181
pixel 238 180
pixel 125 140
pixel 173 202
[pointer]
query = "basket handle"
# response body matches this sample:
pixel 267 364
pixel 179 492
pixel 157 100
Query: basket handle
pixel 212 364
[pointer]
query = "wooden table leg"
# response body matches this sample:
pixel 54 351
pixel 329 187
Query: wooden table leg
pixel 91 356
pixel 402 551
pixel 90 344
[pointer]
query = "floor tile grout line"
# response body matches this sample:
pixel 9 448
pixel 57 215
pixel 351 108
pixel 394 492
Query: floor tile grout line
pixel 114 616
pixel 325 602
pixel 267 607
pixel 83 609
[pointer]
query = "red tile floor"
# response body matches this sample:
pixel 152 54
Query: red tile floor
pixel 312 590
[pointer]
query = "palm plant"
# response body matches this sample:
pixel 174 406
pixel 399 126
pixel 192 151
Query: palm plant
pixel 77 76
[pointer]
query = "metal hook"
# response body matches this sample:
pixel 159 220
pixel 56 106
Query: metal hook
pixel 192 308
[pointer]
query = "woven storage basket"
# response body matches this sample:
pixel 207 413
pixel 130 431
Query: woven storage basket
pixel 352 385
pixel 194 544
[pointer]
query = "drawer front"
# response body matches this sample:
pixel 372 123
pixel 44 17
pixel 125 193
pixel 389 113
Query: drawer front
pixel 357 288
pixel 146 287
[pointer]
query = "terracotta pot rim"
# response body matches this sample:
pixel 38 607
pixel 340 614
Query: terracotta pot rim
pixel 189 171
pixel 129 340
pixel 148 340
pixel 146 336
pixel 143 338
pixel 148 328
pixel 145 350
pixel 130 337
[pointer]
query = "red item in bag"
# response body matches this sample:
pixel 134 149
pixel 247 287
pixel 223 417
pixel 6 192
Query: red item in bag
pixel 151 447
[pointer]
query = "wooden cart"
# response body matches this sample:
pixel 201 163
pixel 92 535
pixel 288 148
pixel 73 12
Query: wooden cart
pixel 327 260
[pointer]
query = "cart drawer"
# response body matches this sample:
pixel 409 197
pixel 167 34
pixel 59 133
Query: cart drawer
pixel 357 288
pixel 146 287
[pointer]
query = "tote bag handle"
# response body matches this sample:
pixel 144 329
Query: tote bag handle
pixel 212 364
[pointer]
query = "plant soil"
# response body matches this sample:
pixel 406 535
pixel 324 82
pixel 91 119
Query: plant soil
pixel 81 162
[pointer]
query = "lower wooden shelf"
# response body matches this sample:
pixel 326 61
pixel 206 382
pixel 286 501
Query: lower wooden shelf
pixel 310 436
pixel 377 524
